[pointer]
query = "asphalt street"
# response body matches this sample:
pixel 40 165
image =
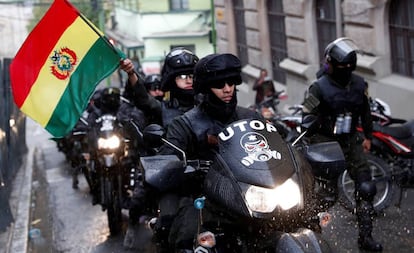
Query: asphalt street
pixel 43 199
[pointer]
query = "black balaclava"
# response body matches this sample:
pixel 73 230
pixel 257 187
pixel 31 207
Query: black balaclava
pixel 184 98
pixel 218 109
pixel 342 75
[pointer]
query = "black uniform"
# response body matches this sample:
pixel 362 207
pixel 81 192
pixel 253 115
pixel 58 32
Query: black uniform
pixel 195 132
pixel 179 61
pixel 336 100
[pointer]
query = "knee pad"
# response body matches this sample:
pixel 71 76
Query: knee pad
pixel 366 191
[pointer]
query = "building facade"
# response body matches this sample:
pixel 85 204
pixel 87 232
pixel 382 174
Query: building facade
pixel 288 37
pixel 147 30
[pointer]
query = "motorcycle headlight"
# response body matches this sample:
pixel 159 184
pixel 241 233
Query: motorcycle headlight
pixel 265 200
pixel 112 142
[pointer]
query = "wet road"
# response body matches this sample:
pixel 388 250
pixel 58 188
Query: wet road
pixel 67 220
pixel 69 223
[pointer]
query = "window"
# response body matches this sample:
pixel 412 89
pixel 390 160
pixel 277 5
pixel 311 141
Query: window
pixel 276 21
pixel 240 31
pixel 127 4
pixel 325 24
pixel 402 37
pixel 178 5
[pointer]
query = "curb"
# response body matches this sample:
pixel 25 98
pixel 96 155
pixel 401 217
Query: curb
pixel 22 188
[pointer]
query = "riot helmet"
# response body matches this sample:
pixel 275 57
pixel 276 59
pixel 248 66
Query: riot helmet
pixel 341 54
pixel 179 61
pixel 214 70
pixel 110 99
pixel 96 98
pixel 152 82
pixel 342 51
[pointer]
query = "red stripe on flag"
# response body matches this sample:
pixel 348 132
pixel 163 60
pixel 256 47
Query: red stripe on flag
pixel 39 45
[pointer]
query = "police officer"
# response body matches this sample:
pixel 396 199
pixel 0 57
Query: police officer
pixel 152 83
pixel 195 132
pixel 339 98
pixel 176 79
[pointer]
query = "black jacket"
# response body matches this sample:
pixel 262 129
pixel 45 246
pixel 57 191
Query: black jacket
pixel 335 99
pixel 196 132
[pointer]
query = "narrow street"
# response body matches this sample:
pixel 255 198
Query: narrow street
pixel 69 223
pixel 66 218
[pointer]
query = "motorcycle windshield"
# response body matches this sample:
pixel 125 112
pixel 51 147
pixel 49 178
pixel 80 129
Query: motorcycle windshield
pixel 256 154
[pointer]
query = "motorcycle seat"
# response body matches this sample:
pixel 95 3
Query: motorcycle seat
pixel 403 131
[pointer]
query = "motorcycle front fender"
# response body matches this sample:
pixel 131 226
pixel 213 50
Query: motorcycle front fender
pixel 303 241
pixel 109 160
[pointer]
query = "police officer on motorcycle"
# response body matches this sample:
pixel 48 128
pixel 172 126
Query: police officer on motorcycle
pixel 339 98
pixel 152 83
pixel 177 80
pixel 108 101
pixel 195 132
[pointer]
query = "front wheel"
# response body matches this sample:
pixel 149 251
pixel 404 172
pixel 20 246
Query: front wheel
pixel 113 207
pixel 380 174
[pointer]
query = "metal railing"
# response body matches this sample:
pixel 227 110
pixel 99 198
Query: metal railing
pixel 12 142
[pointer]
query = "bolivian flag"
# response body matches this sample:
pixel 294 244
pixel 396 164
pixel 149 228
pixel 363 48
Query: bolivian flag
pixel 58 67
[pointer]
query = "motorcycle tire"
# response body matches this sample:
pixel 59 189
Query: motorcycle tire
pixel 113 207
pixel 380 172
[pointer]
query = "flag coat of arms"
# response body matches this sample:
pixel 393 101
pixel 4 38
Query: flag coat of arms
pixel 57 68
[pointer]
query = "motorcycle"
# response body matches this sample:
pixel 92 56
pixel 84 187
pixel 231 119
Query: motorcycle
pixel 113 173
pixel 287 125
pixel 391 159
pixel 380 172
pixel 256 195
pixel 75 148
pixel 79 152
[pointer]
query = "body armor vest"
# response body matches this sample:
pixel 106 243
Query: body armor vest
pixel 336 100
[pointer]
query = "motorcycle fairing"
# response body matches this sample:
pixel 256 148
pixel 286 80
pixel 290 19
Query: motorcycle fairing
pixel 161 171
pixel 326 158
pixel 256 154
pixel 303 241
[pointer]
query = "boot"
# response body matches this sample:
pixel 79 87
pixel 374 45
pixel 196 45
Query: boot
pixel 138 235
pixel 75 181
pixel 368 243
pixel 365 212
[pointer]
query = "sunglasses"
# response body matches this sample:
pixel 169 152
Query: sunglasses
pixel 185 77
pixel 155 87
pixel 219 84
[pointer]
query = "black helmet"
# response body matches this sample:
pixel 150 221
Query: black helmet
pixel 342 51
pixel 178 61
pixel 216 68
pixel 110 99
pixel 152 82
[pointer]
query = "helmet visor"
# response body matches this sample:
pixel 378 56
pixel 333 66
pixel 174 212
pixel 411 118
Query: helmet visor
pixel 180 58
pixel 341 48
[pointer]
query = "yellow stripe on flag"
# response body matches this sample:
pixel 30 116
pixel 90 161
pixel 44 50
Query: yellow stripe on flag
pixel 48 89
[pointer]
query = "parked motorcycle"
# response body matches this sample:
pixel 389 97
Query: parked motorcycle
pixel 380 172
pixel 393 170
pixel 285 124
pixel 257 194
pixel 391 159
